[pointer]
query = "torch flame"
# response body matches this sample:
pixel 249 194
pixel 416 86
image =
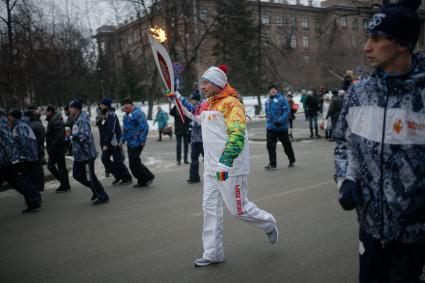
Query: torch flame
pixel 158 33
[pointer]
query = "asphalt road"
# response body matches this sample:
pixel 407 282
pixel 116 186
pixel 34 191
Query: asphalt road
pixel 152 235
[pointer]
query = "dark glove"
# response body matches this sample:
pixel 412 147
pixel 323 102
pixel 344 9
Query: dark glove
pixel 415 213
pixel 349 195
pixel 277 124
pixel 75 138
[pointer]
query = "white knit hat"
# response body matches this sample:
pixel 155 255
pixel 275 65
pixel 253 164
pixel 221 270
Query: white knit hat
pixel 216 76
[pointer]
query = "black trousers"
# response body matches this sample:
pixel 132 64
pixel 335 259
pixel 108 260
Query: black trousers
pixel 395 262
pixel 33 170
pixel 185 138
pixel 115 166
pixel 57 166
pixel 283 137
pixel 23 184
pixel 139 171
pixel 83 172
pixel 197 149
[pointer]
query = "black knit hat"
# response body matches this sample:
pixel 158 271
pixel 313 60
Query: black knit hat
pixel 51 109
pixel 76 104
pixel 398 22
pixel 127 100
pixel 273 86
pixel 16 113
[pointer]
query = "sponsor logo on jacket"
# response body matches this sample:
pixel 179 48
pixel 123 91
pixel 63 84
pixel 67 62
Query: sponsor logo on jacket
pixel 398 126
pixel 412 125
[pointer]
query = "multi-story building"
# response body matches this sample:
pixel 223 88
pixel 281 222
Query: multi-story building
pixel 307 45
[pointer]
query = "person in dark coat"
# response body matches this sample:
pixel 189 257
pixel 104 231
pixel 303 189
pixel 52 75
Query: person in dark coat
pixel 40 134
pixel 313 108
pixel 334 110
pixel 10 171
pixel 181 130
pixel 56 148
pixel 68 126
pixel 37 127
pixel 110 135
pixel 291 116
pixel 196 145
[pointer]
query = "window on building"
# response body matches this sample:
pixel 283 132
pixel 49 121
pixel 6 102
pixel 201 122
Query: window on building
pixel 102 46
pixel 317 21
pixel 365 23
pixel 304 23
pixel 280 20
pixel 343 21
pixel 355 23
pixel 203 15
pixel 292 22
pixel 293 41
pixel 265 20
pixel 354 42
pixel 306 41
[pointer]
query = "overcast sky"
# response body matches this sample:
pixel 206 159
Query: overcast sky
pixel 95 13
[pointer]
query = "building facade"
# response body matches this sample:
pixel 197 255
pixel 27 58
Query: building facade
pixel 303 46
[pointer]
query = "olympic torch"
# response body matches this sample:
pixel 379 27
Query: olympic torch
pixel 163 62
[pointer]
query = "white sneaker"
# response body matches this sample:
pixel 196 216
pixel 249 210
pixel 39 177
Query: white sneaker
pixel 273 235
pixel 200 262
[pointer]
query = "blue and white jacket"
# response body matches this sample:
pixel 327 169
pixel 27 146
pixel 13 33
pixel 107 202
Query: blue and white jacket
pixel 380 139
pixel 135 128
pixel 8 151
pixel 277 110
pixel 25 140
pixel 83 147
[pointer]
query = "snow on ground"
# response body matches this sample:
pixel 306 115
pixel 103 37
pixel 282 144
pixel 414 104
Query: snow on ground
pixel 249 101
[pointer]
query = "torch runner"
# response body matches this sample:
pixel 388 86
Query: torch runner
pixel 163 62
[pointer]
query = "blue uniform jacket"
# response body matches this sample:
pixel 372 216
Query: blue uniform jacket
pixel 136 128
pixel 25 140
pixel 83 147
pixel 8 151
pixel 277 111
pixel 380 144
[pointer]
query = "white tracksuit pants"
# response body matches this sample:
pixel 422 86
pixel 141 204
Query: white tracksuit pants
pixel 234 194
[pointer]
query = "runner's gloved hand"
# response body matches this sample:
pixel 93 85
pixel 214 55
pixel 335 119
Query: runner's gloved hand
pixel 172 95
pixel 222 173
pixel 277 124
pixel 349 194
